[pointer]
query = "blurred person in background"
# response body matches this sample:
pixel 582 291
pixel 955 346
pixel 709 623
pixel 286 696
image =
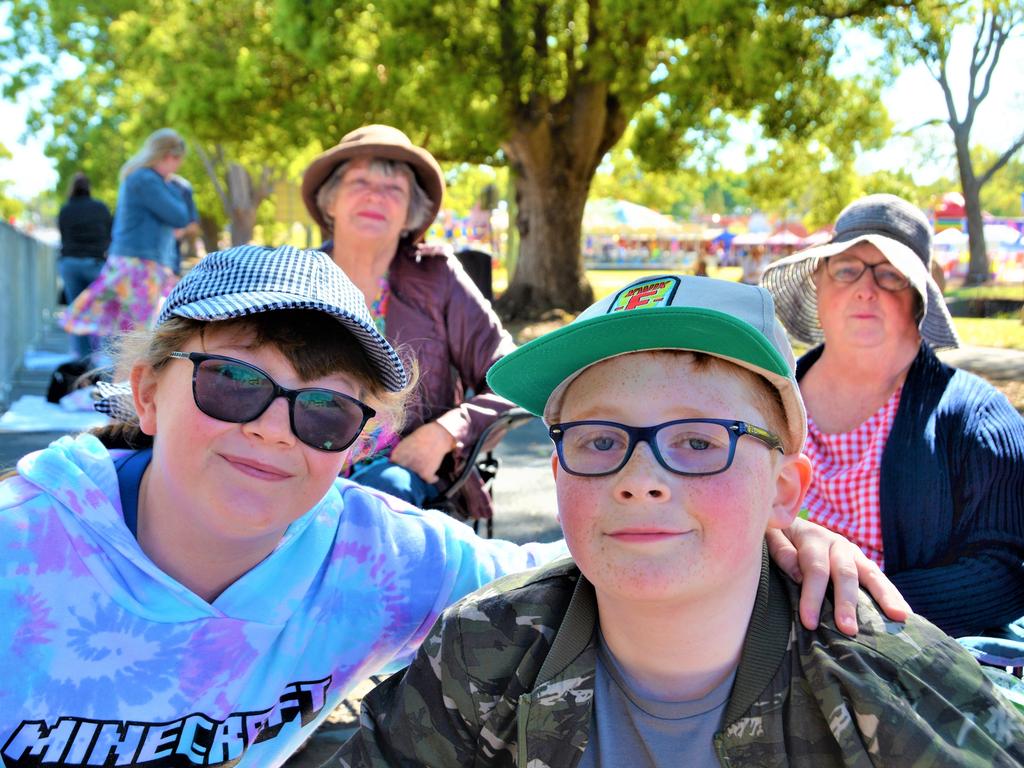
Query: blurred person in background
pixel 135 277
pixel 377 193
pixel 183 236
pixel 84 223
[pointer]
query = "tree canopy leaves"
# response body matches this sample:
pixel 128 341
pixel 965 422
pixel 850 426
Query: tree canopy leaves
pixel 547 87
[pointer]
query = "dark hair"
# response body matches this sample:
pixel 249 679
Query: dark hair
pixel 313 342
pixel 79 186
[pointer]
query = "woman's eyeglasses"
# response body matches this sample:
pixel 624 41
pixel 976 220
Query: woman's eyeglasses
pixel 235 391
pixel 690 447
pixel 848 269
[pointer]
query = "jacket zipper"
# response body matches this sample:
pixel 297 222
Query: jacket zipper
pixel 723 756
pixel 522 718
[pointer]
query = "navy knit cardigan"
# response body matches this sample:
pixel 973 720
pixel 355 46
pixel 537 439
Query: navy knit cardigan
pixel 952 498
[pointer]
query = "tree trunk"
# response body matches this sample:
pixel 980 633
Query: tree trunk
pixel 549 271
pixel 553 155
pixel 244 201
pixel 209 230
pixel 242 197
pixel 977 271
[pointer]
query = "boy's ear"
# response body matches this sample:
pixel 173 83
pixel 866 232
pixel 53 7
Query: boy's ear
pixel 791 484
pixel 555 469
pixel 144 382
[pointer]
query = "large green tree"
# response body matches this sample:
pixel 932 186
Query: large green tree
pixel 926 34
pixel 811 175
pixel 546 87
pixel 551 85
pixel 213 70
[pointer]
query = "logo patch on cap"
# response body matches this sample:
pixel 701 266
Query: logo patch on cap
pixel 658 292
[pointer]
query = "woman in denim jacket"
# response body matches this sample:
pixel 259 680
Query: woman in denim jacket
pixel 135 278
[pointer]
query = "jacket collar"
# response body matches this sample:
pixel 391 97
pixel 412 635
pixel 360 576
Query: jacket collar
pixel 925 357
pixel 763 649
pixel 575 633
pixel 767 638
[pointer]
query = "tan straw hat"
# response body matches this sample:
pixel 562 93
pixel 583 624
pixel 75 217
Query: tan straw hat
pixel 900 231
pixel 381 141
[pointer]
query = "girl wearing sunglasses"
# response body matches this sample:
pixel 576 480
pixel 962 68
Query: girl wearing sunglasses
pixel 195 584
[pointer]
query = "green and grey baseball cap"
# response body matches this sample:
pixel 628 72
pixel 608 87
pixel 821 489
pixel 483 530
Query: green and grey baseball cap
pixel 733 321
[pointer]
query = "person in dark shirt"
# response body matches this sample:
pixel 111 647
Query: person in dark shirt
pixel 84 224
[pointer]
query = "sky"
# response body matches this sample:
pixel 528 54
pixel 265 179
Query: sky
pixel 912 99
pixel 915 97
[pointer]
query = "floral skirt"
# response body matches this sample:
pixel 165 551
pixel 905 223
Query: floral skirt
pixel 127 294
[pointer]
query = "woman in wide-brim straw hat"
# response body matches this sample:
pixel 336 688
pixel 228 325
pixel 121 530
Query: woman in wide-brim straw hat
pixel 375 194
pixel 919 463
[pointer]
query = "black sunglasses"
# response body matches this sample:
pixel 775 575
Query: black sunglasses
pixel 238 392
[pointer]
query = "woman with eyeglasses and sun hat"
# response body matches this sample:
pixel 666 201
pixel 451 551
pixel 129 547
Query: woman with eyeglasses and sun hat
pixel 920 464
pixel 194 584
pixel 375 194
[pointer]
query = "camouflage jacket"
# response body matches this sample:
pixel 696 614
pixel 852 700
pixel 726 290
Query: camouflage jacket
pixel 506 678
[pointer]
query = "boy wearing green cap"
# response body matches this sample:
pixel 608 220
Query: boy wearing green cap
pixel 670 638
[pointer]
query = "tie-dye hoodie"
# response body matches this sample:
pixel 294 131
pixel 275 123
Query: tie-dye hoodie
pixel 106 660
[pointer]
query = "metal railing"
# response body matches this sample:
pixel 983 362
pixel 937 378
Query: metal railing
pixel 28 299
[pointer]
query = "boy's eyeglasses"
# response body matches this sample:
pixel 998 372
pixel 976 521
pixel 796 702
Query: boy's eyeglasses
pixel 235 391
pixel 691 447
pixel 848 269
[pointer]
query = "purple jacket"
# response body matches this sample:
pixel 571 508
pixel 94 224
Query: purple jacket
pixel 437 313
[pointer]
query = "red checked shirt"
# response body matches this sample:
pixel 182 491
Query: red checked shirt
pixel 843 495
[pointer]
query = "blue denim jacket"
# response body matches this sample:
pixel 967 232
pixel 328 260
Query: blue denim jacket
pixel 148 211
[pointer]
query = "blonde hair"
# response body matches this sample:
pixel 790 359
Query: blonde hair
pixel 314 343
pixel 157 146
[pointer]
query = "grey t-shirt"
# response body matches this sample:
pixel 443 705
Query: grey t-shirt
pixel 629 729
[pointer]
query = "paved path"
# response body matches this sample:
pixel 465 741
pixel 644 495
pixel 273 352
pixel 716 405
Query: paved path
pixel 990 362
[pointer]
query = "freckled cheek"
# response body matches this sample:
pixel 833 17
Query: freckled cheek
pixel 578 509
pixel 734 522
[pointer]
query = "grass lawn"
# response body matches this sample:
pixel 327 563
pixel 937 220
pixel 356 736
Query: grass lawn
pixel 985 332
pixel 1005 292
pixel 606 281
pixel 1006 332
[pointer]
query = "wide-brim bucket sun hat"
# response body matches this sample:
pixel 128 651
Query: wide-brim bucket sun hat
pixel 381 141
pixel 900 231
pixel 249 280
pixel 729 320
